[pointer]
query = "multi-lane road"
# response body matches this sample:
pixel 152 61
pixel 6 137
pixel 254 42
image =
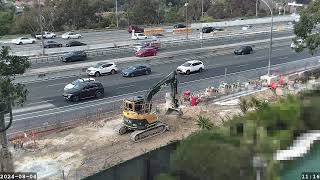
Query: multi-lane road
pixel 45 104
pixel 121 37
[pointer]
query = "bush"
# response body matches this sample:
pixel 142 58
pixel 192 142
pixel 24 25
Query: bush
pixel 205 19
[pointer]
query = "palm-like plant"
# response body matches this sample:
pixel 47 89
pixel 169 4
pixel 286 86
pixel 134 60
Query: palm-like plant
pixel 204 123
pixel 244 105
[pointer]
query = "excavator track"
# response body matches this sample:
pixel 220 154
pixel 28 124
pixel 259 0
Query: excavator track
pixel 140 135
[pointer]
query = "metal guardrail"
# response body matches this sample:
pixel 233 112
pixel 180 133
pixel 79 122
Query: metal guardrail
pixel 125 51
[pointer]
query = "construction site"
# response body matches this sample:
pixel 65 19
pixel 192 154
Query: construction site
pixel 82 149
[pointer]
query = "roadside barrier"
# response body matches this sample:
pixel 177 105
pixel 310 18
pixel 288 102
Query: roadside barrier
pixel 149 32
pixel 182 30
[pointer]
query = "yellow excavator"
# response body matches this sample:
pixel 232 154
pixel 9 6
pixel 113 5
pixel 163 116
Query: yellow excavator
pixel 138 116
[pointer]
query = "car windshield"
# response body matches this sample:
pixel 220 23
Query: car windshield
pixel 97 65
pixel 132 68
pixel 78 81
pixel 186 64
pixel 77 86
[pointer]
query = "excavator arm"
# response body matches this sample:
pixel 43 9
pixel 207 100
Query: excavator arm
pixel 170 79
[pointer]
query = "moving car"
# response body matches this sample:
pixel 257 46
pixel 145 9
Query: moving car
pixel 179 26
pixel 154 44
pixel 147 51
pixel 136 70
pixel 138 36
pixel 75 43
pixel 84 90
pixel 247 27
pixel 190 66
pixel 71 35
pixel 102 68
pixel 300 42
pixel 207 29
pixel 76 82
pixel 135 28
pixel 24 40
pixel 51 44
pixel 45 35
pixel 243 50
pixel 74 56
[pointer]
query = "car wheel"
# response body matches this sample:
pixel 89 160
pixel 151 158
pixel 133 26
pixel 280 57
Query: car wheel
pixel 113 71
pixel 33 42
pixel 147 72
pixel 20 43
pixel 131 75
pixel 188 72
pixel 98 94
pixel 79 37
pixel 97 74
pixel 75 98
pixel 200 69
pixel 68 37
pixel 60 45
pixel 242 53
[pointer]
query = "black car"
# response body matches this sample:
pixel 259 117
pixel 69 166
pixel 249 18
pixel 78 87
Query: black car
pixel 243 50
pixel 208 29
pixel 84 90
pixel 51 44
pixel 75 43
pixel 179 26
pixel 136 70
pixel 74 56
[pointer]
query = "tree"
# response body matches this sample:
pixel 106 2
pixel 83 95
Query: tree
pixel 210 156
pixel 306 28
pixel 10 95
pixel 6 20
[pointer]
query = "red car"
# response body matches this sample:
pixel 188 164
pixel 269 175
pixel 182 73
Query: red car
pixel 147 51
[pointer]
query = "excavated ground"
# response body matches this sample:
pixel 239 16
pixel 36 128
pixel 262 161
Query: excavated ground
pixel 89 149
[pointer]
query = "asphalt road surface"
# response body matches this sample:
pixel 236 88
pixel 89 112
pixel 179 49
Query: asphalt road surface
pixel 92 38
pixel 170 48
pixel 45 104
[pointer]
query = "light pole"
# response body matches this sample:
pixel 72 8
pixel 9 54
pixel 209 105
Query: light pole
pixel 117 14
pixel 202 8
pixel 186 5
pixel 41 28
pixel 270 47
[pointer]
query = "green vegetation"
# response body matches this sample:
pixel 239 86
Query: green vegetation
pixel 226 152
pixel 306 27
pixel 66 15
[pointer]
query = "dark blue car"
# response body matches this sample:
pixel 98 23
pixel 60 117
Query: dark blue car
pixel 136 70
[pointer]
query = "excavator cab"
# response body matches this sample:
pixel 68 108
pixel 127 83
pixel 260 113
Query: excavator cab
pixel 137 104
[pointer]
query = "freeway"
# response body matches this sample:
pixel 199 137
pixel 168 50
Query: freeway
pixel 172 47
pixel 45 104
pixel 110 37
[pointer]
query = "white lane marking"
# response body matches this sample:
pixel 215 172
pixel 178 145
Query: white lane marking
pixel 284 57
pixel 55 84
pixel 33 108
pixel 281 49
pixel 243 65
pixel 125 86
pixel 260 57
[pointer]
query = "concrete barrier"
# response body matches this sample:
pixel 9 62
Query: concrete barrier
pixel 245 22
pixel 149 32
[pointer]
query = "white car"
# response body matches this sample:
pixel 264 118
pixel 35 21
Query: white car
pixel 190 66
pixel 138 36
pixel 246 27
pixel 71 35
pixel 102 68
pixel 77 82
pixel 24 40
pixel 300 43
pixel 46 35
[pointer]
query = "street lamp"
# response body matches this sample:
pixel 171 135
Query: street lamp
pixel 41 27
pixel 270 47
pixel 186 5
pixel 202 8
pixel 117 14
